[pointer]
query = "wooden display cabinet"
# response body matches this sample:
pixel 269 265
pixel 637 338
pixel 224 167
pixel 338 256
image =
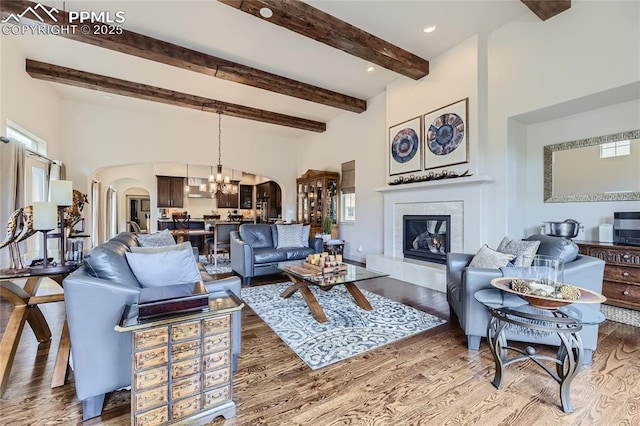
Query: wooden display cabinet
pixel 317 198
pixel 170 191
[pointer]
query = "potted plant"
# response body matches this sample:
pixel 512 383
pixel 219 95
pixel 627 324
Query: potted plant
pixel 326 228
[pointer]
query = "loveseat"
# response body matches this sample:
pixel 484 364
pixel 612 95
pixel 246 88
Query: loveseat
pixel 257 248
pixel 464 281
pixel 95 296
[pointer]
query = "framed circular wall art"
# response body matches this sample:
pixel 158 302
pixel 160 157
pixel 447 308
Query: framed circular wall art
pixel 446 135
pixel 405 147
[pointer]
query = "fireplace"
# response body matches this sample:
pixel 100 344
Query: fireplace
pixel 426 237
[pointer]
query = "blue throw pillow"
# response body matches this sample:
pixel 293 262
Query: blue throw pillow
pixel 558 247
pixel 164 268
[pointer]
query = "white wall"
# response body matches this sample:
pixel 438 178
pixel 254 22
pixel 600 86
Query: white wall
pixel 592 48
pixel 603 121
pixel 97 138
pixel 359 137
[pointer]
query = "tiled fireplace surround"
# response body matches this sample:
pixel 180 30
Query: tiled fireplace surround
pixel 464 199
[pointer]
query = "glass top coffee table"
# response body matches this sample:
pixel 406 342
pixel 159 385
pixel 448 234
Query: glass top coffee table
pixel 302 279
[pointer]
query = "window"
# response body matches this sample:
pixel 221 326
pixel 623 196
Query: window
pixel 349 207
pixel 615 149
pixel 30 141
pixel 348 188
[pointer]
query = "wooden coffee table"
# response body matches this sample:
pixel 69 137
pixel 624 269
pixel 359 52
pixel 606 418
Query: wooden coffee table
pixel 301 282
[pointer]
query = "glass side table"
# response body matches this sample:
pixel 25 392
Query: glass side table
pixel 566 321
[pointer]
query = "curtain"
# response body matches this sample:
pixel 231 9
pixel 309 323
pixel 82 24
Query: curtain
pixel 12 186
pixel 95 213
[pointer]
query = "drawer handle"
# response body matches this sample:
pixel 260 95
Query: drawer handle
pixel 180 367
pixel 151 397
pixel 147 378
pixel 151 356
pixel 150 336
pixel 626 292
pixel 625 274
pixel 625 256
pixel 182 407
pixel 149 417
pixel 187 384
pixel 186 349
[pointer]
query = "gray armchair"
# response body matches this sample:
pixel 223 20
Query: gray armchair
pixel 95 296
pixel 463 282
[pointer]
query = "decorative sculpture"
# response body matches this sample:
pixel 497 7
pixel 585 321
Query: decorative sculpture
pixel 19 228
pixel 72 213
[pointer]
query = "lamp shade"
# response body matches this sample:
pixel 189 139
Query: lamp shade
pixel 45 216
pixel 61 192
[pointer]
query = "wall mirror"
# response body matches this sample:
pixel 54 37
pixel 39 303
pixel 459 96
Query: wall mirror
pixel 603 168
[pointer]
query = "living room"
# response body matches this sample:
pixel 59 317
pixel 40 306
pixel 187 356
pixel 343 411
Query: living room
pixel 529 84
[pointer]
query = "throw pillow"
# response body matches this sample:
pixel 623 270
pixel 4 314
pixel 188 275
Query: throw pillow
pixel 164 268
pixel 488 258
pixel 175 247
pixel 158 239
pixel 289 236
pixel 304 237
pixel 524 250
pixel 558 247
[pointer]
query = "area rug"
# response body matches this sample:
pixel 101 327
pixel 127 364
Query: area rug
pixel 349 330
pixel 224 264
pixel 625 316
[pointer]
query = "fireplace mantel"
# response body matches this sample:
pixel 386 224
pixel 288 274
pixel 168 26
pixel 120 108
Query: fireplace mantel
pixel 461 181
pixel 463 198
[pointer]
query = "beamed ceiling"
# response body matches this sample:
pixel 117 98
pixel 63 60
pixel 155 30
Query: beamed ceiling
pixel 291 73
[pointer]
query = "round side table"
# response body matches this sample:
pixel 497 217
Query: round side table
pixel 567 321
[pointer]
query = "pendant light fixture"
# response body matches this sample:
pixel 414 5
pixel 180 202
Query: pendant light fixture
pixel 220 183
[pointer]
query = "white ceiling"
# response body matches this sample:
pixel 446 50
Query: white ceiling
pixel 217 29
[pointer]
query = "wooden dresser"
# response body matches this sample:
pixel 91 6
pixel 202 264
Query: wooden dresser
pixel 181 372
pixel 621 283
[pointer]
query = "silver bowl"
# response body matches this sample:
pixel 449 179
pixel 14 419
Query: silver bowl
pixel 568 229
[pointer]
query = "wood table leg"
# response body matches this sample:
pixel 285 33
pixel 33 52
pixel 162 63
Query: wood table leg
pixel 297 284
pixel 62 358
pixel 358 296
pixel 314 306
pixel 38 324
pixel 9 343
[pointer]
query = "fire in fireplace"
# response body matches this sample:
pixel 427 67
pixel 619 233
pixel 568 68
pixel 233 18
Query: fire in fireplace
pixel 426 237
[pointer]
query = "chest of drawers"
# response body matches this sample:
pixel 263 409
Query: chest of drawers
pixel 621 283
pixel 181 372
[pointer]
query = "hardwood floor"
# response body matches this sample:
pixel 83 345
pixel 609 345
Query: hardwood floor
pixel 427 379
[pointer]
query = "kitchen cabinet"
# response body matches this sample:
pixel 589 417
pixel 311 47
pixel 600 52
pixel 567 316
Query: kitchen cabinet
pixel 269 200
pixel 228 201
pixel 317 198
pixel 170 191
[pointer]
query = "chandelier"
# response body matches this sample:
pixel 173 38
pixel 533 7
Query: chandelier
pixel 220 183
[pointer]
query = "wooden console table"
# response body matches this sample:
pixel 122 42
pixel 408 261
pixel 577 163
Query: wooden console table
pixel 621 283
pixel 25 309
pixel 181 370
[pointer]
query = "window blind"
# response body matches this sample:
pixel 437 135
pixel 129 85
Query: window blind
pixel 348 184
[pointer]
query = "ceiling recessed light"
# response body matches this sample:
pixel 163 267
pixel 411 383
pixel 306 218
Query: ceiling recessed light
pixel 265 12
pixel 429 29
pixel 370 68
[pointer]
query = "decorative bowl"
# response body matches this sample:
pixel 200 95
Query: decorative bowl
pixel 569 228
pixel 543 302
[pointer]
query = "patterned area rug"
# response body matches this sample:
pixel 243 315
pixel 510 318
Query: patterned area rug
pixel 349 330
pixel 224 264
pixel 625 316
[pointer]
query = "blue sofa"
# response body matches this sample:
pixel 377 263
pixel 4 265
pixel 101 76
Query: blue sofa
pixel 95 296
pixel 254 250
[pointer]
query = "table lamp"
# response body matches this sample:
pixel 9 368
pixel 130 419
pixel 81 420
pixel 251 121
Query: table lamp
pixel 61 194
pixel 44 220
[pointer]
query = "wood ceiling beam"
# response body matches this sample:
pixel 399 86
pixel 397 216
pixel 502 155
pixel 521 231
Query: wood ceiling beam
pixel 310 22
pixel 72 77
pixel 171 54
pixel 546 9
